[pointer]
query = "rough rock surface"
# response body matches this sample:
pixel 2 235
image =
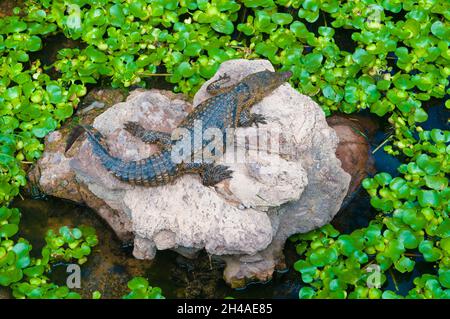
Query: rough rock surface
pixel 246 220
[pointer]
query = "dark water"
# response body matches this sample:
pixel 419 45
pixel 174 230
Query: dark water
pixel 438 118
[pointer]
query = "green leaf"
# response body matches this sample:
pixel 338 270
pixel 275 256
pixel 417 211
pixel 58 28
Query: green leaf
pixel 76 233
pixel 193 49
pixel 380 108
pixel 383 178
pixel 44 128
pixel 8 230
pixel 394 249
pixel 430 253
pixel 34 43
pixel 281 18
pixel 258 3
pixel 408 239
pixel 307 270
pixel 428 198
pixel 223 26
pixel 440 30
pixel 185 69
pixel 321 257
pixel 438 136
pixel 388 294
pixel 96 295
pixel 444 229
pixel 137 9
pixel 96 55
pixel 312 62
pixel 326 32
pixel 299 29
pixel 21 250
pixel 138 283
pixel 9 276
pixel 117 16
pixel 306 293
pixel 436 182
pixel 362 57
pixel 266 49
pixel 444 277
pixel 404 264
pixel 55 93
pixel 5 213
pixel 430 165
pixel 13 93
pixel 420 115
pixel 444 243
pixel 403 82
pixel 15 26
pixel 34 271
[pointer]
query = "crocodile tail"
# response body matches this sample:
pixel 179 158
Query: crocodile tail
pixel 100 149
pixel 154 170
pixel 73 136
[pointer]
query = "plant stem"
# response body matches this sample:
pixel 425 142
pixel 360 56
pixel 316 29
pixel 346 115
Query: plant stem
pixel 393 279
pixel 381 145
pixel 154 74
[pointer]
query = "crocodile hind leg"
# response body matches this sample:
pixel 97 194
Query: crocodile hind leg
pixel 247 119
pixel 220 85
pixel 149 136
pixel 211 174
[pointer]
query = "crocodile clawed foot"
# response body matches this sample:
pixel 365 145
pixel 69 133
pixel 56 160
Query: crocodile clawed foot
pixel 225 77
pixel 212 175
pixel 258 119
pixel 134 128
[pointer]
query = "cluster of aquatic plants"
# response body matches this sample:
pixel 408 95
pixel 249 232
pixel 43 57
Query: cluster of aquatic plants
pixel 28 276
pixel 413 226
pixel 391 68
pixel 31 103
pixel 397 59
pixel 140 289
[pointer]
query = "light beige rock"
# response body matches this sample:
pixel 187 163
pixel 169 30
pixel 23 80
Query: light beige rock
pixel 308 140
pixel 245 220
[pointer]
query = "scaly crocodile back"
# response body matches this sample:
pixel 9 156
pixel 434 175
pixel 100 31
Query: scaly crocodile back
pixel 215 116
pixel 155 170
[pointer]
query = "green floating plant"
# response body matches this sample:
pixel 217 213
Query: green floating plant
pixel 26 275
pixel 129 41
pixel 140 289
pixel 413 223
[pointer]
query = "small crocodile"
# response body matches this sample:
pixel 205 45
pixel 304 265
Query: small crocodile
pixel 229 107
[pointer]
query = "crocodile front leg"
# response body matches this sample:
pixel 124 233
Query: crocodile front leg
pixel 149 136
pixel 220 85
pixel 247 119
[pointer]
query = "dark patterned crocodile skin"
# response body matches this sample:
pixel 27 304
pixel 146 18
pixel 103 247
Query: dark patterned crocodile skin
pixel 229 107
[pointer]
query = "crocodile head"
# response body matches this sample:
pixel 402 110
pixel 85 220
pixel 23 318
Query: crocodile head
pixel 261 84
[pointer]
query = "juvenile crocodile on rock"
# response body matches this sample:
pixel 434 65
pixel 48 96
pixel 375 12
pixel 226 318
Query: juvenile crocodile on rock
pixel 229 107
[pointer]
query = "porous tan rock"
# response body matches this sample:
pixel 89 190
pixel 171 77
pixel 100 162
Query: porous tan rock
pixel 246 220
